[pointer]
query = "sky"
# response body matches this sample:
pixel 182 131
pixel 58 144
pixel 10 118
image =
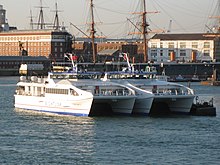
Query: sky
pixel 115 18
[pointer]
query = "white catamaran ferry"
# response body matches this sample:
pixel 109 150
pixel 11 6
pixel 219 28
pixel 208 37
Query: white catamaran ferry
pixel 177 97
pixel 47 96
pixel 119 97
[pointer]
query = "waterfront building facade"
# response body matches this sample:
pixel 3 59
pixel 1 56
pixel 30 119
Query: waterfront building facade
pixel 49 43
pixel 191 47
pixel 110 49
pixel 10 65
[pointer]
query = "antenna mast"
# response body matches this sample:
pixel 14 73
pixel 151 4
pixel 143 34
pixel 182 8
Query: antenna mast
pixel 92 32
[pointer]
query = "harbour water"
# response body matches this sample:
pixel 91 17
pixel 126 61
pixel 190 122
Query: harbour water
pixel 34 138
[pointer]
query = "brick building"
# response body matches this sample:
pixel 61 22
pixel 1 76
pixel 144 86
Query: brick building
pixel 50 43
pixel 134 49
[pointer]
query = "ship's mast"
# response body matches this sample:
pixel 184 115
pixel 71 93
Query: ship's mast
pixel 56 24
pixel 218 17
pixel 92 32
pixel 41 23
pixel 31 20
pixel 144 30
pixel 217 28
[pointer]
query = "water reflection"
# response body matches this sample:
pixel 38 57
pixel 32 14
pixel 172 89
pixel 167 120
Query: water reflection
pixel 66 137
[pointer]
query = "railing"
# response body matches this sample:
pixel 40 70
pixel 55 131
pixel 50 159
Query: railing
pixel 112 92
pixel 172 92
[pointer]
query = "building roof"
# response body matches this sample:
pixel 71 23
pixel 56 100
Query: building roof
pixel 107 52
pixel 35 31
pixel 186 36
pixel 23 58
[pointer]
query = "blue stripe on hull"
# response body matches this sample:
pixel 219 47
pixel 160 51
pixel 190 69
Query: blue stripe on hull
pixel 59 113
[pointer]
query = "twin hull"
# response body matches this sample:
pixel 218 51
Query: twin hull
pixel 119 105
pixel 177 104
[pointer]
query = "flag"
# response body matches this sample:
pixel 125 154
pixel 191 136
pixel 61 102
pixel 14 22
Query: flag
pixel 124 56
pixel 120 55
pixel 70 57
pixel 67 55
pixel 74 58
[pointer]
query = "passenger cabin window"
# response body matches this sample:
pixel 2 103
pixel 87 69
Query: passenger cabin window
pixel 73 92
pixel 57 91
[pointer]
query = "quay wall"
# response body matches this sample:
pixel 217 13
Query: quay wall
pixel 187 70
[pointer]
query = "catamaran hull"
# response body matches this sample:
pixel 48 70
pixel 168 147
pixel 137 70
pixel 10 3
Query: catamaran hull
pixel 178 105
pixel 120 105
pixel 142 106
pixel 77 107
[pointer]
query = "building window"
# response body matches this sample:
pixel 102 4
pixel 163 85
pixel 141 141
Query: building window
pixel 206 53
pixel 182 52
pixel 161 52
pixel 153 45
pixel 153 53
pixel 171 45
pixel 170 51
pixel 206 44
pixel 161 45
pixel 182 45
